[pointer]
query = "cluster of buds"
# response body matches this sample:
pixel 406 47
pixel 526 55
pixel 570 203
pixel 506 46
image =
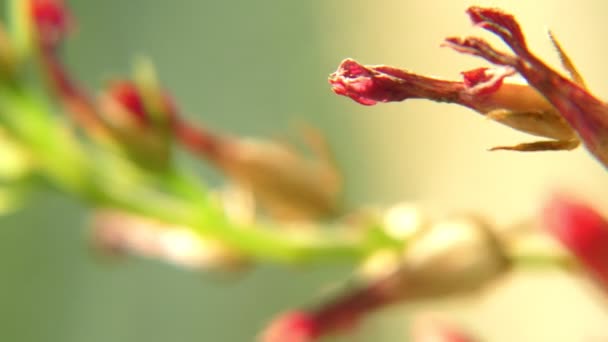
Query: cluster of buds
pixel 142 120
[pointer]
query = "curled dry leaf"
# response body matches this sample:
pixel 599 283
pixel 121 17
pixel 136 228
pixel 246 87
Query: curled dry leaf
pixel 585 113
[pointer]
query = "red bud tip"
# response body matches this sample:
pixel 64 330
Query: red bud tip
pixel 52 20
pixel 294 326
pixel 127 95
pixel 582 230
pixel 371 84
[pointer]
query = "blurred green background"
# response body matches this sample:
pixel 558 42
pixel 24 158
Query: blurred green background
pixel 247 68
pixel 255 67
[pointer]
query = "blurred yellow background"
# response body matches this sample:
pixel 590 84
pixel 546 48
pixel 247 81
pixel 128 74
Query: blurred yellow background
pixel 436 153
pixel 255 67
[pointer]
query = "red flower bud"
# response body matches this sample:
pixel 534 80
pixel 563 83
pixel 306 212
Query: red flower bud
pixel 582 230
pixel 124 98
pixel 294 326
pixel 370 84
pixel 518 106
pixel 52 21
pixel 140 122
pixel 126 95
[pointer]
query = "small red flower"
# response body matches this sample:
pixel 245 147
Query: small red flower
pixel 582 230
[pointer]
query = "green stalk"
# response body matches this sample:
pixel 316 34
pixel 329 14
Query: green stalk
pixel 101 181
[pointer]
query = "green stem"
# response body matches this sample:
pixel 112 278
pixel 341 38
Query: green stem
pixel 183 201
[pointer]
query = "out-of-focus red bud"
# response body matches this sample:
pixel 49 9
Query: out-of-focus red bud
pixel 583 231
pixel 49 22
pixel 141 125
pixel 52 21
pixel 123 101
pixel 126 95
pixel 294 326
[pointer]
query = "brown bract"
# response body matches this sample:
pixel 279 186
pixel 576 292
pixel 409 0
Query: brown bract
pixel 287 183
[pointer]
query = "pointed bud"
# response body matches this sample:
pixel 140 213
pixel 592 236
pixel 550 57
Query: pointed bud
pixel 483 90
pixel 140 117
pixel 583 231
pixel 291 327
pixel 128 120
pixel 287 184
